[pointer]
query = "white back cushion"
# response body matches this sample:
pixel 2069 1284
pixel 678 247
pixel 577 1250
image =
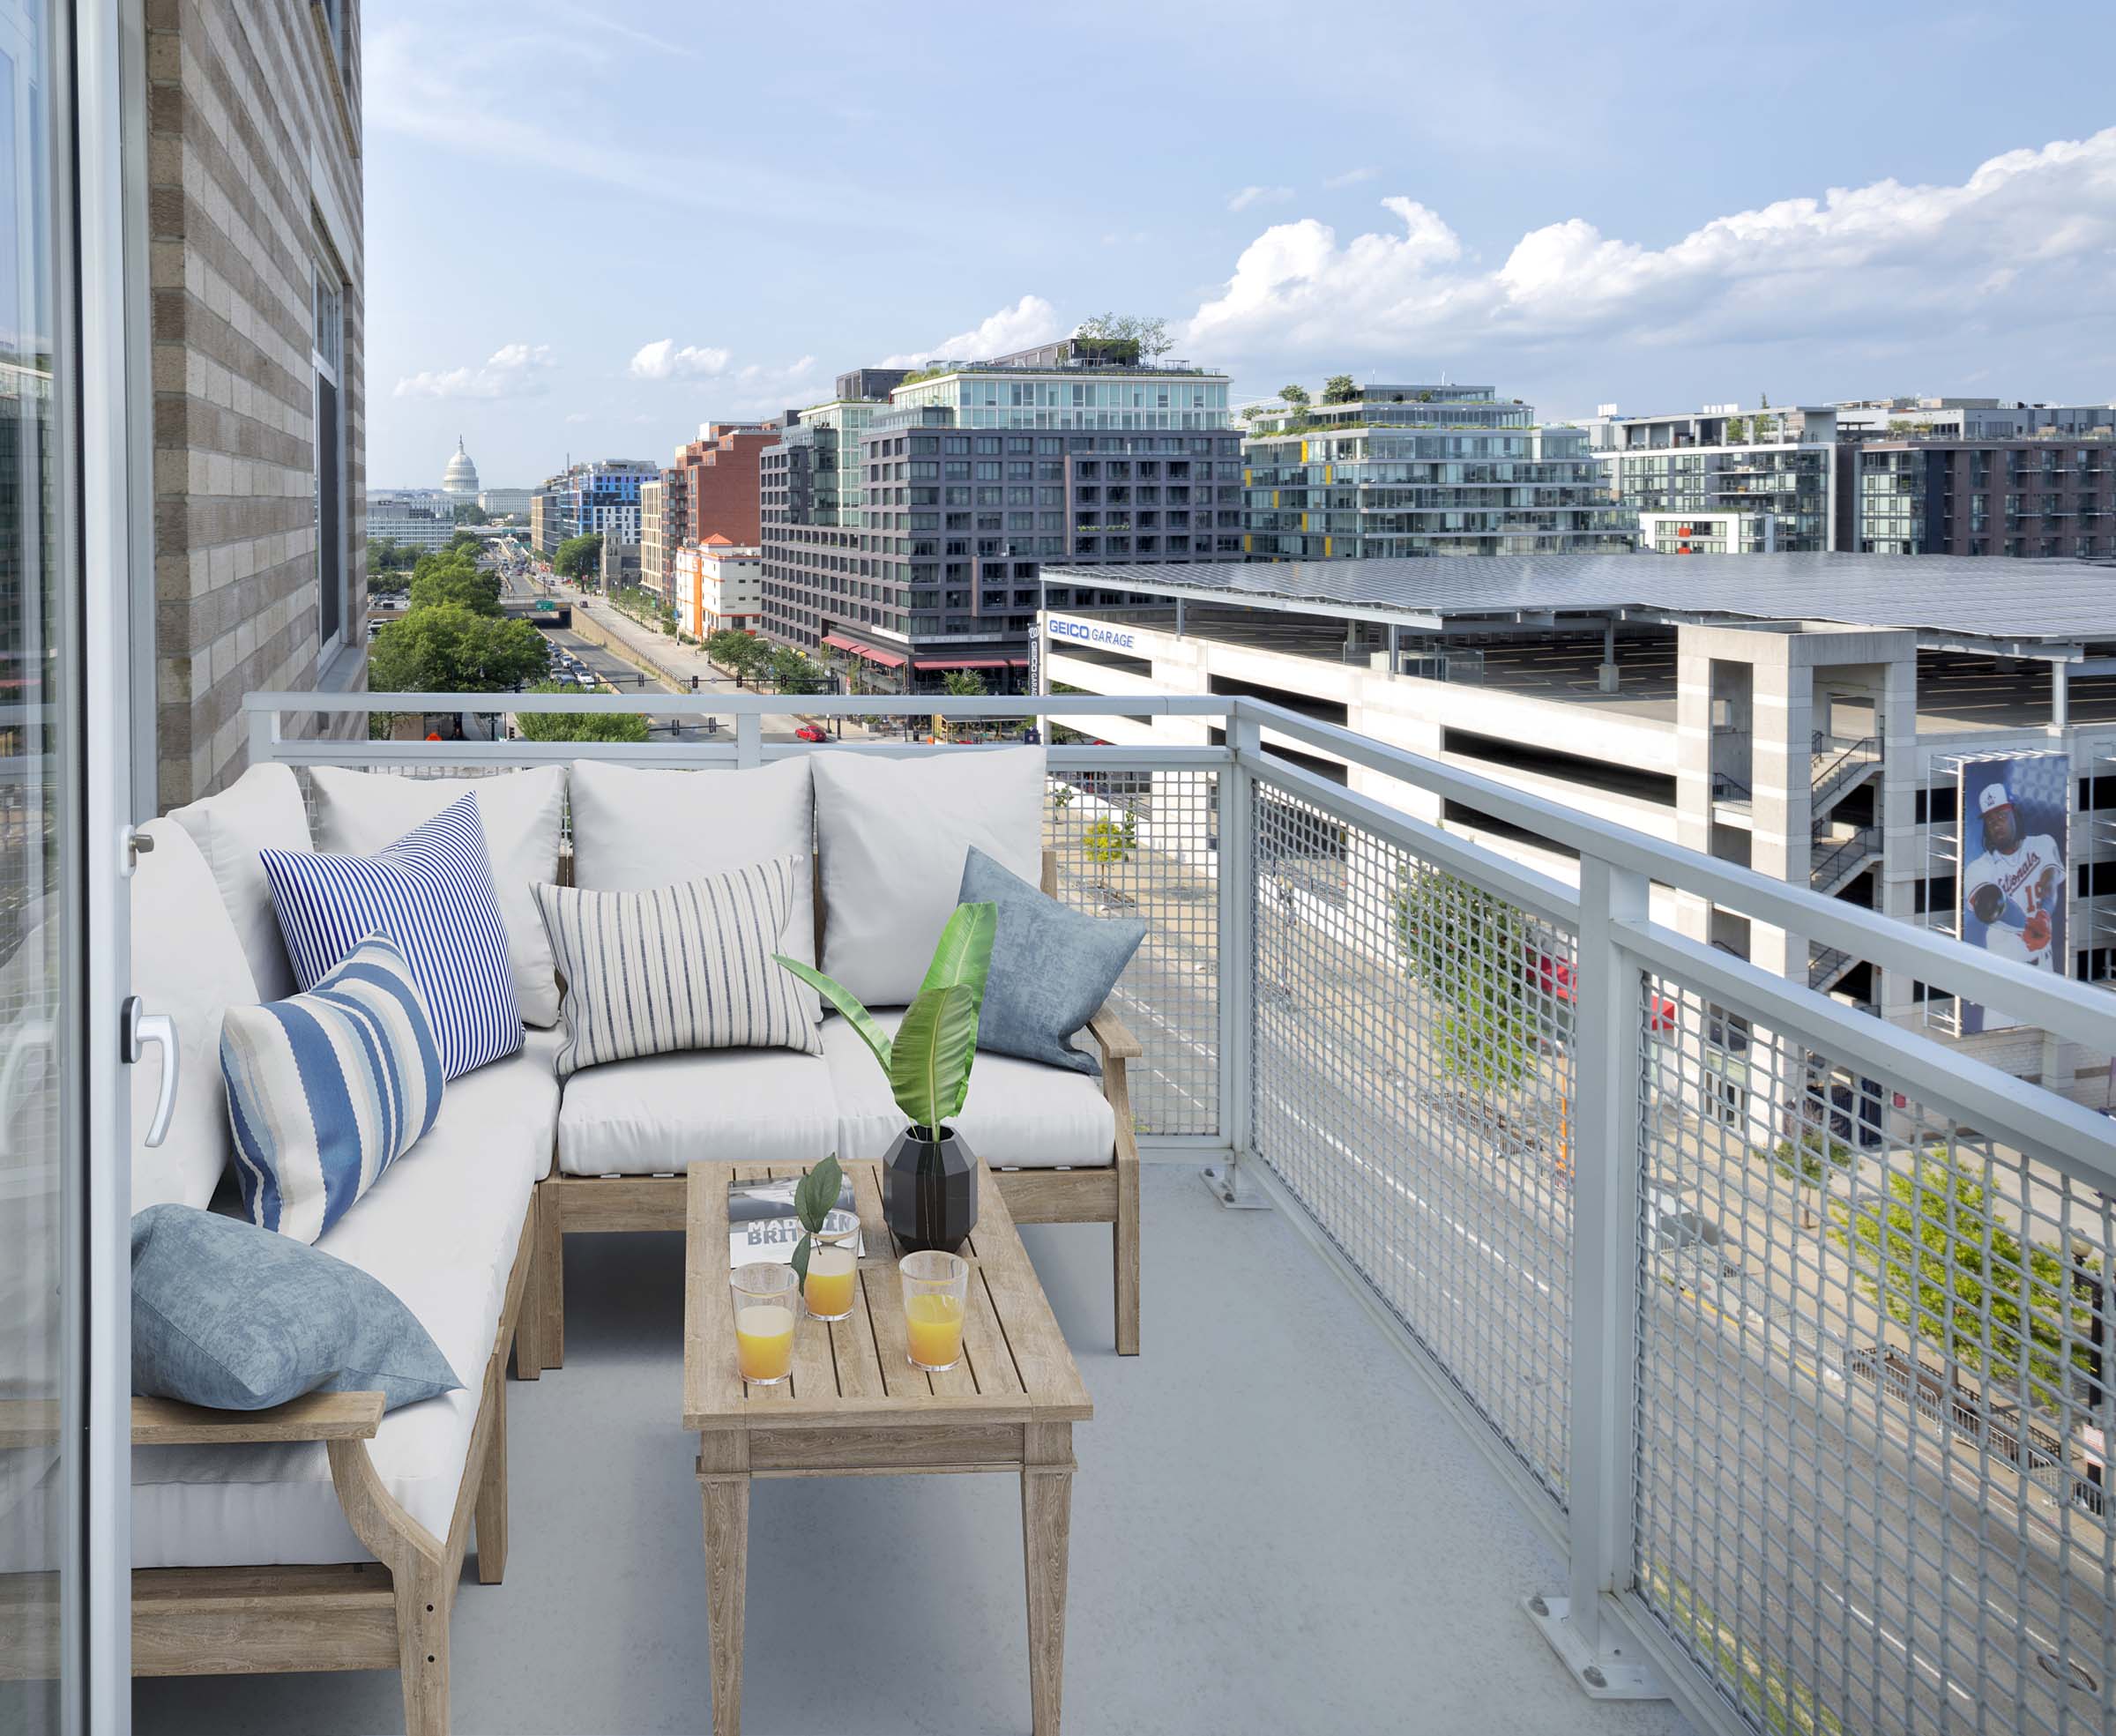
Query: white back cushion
pixel 892 834
pixel 186 962
pixel 359 813
pixel 260 810
pixel 634 830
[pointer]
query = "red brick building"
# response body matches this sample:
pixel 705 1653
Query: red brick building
pixel 713 485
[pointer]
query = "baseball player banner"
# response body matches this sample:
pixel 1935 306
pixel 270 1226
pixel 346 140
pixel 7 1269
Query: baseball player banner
pixel 2016 817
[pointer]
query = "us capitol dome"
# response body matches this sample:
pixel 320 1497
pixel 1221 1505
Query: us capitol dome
pixel 459 481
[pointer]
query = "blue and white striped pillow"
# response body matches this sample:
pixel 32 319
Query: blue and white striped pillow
pixel 326 1089
pixel 431 893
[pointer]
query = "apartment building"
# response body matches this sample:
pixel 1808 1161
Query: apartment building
pixel 713 484
pixel 1392 470
pixel 972 475
pixel 1816 718
pixel 256 303
pixel 656 547
pixel 2040 498
pixel 1971 419
pixel 598 497
pixel 719 587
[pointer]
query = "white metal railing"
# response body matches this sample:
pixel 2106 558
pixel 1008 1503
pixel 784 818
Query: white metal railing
pixel 1787 1323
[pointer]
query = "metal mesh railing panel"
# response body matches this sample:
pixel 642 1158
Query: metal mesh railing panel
pixel 1145 845
pixel 1871 1413
pixel 1128 842
pixel 1411 1083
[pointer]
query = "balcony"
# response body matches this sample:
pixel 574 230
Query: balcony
pixel 1575 1342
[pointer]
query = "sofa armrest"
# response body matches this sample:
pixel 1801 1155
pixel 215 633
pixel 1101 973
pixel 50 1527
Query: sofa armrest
pixel 1116 1042
pixel 164 1422
pixel 314 1416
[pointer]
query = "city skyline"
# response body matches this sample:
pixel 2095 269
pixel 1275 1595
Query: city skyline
pixel 1547 214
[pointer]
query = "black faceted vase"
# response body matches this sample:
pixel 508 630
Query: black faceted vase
pixel 929 1190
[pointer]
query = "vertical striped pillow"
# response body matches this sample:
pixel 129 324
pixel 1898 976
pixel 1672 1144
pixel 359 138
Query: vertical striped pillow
pixel 431 893
pixel 327 1090
pixel 687 966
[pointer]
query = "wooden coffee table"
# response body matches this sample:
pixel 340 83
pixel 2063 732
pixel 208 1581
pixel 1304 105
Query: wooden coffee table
pixel 856 1407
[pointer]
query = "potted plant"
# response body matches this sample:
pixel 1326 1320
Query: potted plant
pixel 929 1175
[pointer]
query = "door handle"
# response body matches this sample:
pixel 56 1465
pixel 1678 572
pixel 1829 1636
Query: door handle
pixel 140 1029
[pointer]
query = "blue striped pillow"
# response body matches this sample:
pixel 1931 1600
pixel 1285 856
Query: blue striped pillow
pixel 328 1089
pixel 431 893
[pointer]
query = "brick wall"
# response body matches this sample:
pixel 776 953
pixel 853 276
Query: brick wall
pixel 253 173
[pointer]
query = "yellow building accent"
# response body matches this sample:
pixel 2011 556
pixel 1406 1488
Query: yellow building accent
pixel 1249 476
pixel 1249 543
pixel 1326 541
pixel 1304 451
pixel 1274 497
pixel 1304 521
pixel 1329 473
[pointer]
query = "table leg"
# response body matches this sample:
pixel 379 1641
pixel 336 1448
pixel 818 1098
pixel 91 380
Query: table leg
pixel 1046 1505
pixel 727 1502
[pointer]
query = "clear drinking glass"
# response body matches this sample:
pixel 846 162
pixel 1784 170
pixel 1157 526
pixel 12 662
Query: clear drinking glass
pixel 833 1280
pixel 936 1289
pixel 767 1308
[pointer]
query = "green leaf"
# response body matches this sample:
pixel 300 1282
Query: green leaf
pixel 929 1065
pixel 862 1021
pixel 800 1259
pixel 817 1194
pixel 963 953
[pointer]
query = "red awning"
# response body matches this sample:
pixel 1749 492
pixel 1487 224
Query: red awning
pixel 959 663
pixel 887 659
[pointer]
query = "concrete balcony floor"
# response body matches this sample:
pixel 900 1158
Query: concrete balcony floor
pixel 1275 1529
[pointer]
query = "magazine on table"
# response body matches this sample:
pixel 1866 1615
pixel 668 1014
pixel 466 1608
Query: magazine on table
pixel 761 1224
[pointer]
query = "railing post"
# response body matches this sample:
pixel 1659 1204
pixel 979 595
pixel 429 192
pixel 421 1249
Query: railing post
pixel 265 736
pixel 1608 1019
pixel 1237 961
pixel 748 739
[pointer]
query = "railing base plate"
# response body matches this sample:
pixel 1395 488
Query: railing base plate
pixel 1225 1183
pixel 1604 1675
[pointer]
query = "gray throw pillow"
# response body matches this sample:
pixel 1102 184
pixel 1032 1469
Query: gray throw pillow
pixel 1051 967
pixel 239 1318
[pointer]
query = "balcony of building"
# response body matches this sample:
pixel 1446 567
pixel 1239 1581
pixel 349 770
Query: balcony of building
pixel 1584 1344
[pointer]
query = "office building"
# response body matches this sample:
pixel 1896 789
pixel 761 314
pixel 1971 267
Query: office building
pixel 504 502
pixel 415 518
pixel 545 519
pixel 617 565
pixel 907 519
pixel 719 587
pixel 1431 469
pixel 598 497
pixel 656 551
pixel 256 301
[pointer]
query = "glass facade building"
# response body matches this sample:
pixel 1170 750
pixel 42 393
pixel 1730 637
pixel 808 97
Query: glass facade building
pixel 906 521
pixel 1408 470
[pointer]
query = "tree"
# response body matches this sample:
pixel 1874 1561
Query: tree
pixel 1296 396
pixel 1938 1261
pixel 459 584
pixel 471 513
pixel 964 683
pixel 1109 843
pixel 578 556
pixel 1338 389
pixel 466 542
pixel 792 672
pixel 386 560
pixel 578 726
pixel 1147 337
pixel 743 652
pixel 1472 950
pixel 447 648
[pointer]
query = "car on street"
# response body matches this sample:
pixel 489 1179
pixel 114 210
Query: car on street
pixel 810 732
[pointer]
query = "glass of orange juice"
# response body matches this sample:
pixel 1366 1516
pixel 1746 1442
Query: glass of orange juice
pixel 767 1306
pixel 833 1280
pixel 936 1289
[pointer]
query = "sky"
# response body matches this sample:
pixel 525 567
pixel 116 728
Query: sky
pixel 591 227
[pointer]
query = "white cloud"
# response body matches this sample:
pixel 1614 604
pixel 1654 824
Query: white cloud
pixel 510 371
pixel 1031 320
pixel 1249 196
pixel 1351 177
pixel 663 361
pixel 2029 238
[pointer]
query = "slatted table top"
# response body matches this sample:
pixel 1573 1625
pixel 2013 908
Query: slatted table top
pixel 855 1372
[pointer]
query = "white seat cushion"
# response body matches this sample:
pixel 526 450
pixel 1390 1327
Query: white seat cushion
pixel 260 810
pixel 523 813
pixel 186 962
pixel 657 1116
pixel 442 1229
pixel 1021 1114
